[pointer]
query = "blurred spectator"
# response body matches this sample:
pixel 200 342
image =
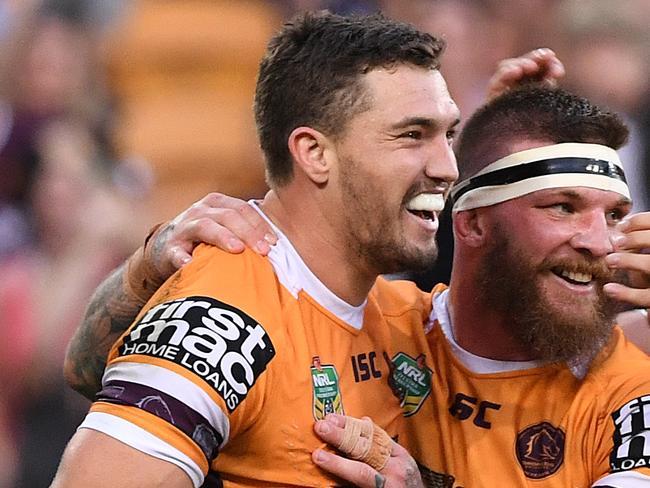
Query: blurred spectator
pixel 467 64
pixel 48 71
pixel 289 7
pixel 182 75
pixel 80 234
pixel 609 61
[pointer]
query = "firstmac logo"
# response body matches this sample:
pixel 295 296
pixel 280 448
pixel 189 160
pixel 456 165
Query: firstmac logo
pixel 219 343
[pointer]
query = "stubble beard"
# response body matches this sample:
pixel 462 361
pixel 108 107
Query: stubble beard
pixel 551 331
pixel 373 231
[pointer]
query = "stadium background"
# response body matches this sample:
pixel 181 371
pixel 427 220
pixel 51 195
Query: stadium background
pixel 117 114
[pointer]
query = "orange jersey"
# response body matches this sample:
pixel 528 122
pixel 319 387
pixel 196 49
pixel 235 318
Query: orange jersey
pixel 233 359
pixel 493 423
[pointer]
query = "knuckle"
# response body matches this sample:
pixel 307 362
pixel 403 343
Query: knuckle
pixel 230 214
pixel 367 474
pixel 190 227
pixel 191 212
pixel 202 222
pixel 212 199
pixel 243 208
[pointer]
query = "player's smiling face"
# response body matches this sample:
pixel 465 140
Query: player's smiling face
pixel 567 232
pixel 548 251
pixel 396 165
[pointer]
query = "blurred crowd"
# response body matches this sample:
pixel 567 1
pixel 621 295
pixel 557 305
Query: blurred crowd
pixel 115 115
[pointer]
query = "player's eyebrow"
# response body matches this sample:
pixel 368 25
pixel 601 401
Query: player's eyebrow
pixel 427 122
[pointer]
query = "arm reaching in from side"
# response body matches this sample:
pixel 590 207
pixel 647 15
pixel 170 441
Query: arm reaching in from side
pixel 215 219
pixel 632 255
pixel 538 66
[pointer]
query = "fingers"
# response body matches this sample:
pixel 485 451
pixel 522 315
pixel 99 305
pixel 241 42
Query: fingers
pixel 234 209
pixel 631 262
pixel 638 267
pixel 540 65
pixel 332 430
pixel 178 257
pixel 226 222
pixel 232 230
pixel 355 472
pixel 358 439
pixel 638 297
pixel 383 462
pixel 631 255
pixel 634 232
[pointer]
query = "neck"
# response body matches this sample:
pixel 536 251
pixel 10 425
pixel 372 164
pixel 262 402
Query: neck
pixel 320 243
pixel 479 329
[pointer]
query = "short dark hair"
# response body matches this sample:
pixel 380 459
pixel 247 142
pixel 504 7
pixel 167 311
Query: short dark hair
pixel 311 75
pixel 534 112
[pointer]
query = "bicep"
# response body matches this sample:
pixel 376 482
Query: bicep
pixel 96 459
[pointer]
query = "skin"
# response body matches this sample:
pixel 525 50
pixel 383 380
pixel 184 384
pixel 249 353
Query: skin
pixel 385 157
pixel 392 158
pixel 217 219
pixel 220 220
pixel 573 226
pixel 570 224
pixel 400 470
pixel 397 156
pixel 567 228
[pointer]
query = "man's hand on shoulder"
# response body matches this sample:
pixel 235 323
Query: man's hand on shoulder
pixel 223 221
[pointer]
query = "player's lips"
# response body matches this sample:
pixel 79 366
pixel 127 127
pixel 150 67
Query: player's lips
pixel 426 206
pixel 577 281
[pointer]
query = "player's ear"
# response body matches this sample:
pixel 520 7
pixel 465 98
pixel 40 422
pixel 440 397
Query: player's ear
pixel 470 227
pixel 312 153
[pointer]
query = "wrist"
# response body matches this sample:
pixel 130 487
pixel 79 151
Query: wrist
pixel 141 277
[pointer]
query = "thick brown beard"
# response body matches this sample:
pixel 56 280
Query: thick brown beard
pixel 507 284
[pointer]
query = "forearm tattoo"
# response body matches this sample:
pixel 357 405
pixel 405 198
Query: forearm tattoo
pixel 108 315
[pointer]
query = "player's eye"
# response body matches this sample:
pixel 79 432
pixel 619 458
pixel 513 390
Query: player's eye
pixel 412 134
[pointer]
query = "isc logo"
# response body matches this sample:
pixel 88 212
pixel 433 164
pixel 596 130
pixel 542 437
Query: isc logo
pixel 217 342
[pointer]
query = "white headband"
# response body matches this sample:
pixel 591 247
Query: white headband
pixel 556 166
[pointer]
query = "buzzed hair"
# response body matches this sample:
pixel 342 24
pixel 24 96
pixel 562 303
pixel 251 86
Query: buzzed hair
pixel 533 112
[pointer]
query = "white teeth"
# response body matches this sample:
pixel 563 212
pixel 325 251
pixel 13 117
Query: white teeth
pixel 430 202
pixel 579 277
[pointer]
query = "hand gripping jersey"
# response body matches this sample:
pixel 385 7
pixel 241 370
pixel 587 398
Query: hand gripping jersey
pixel 234 359
pixel 493 424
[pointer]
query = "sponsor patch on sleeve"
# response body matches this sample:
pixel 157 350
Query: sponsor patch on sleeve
pixel 219 343
pixel 631 435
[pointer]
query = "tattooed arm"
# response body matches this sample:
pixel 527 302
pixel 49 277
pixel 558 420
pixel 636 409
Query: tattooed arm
pixel 109 313
pixel 215 219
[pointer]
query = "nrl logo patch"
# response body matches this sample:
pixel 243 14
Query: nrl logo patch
pixel 327 394
pixel 410 380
